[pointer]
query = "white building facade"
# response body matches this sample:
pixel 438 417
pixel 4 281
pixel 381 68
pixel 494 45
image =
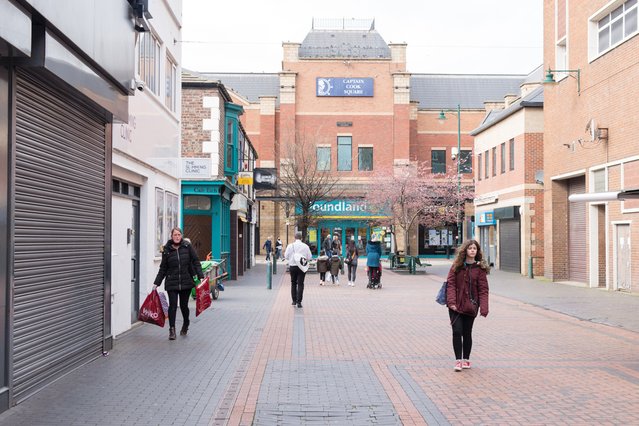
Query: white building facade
pixel 146 151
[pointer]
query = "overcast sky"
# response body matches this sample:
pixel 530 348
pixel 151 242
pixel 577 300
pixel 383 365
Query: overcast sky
pixel 458 37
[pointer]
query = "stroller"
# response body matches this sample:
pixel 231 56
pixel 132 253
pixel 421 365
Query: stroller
pixel 374 277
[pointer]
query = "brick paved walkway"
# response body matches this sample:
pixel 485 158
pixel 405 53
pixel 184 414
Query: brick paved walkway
pixel 358 356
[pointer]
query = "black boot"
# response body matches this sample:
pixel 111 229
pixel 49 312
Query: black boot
pixel 171 333
pixel 185 329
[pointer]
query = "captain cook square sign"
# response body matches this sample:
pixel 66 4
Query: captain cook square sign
pixel 344 86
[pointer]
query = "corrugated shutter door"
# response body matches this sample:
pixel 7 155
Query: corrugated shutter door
pixel 577 267
pixel 59 235
pixel 509 245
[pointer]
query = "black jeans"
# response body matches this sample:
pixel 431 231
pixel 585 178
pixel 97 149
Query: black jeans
pixel 462 326
pixel 184 305
pixel 352 272
pixel 297 283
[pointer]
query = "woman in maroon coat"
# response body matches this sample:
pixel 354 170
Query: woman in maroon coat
pixel 466 296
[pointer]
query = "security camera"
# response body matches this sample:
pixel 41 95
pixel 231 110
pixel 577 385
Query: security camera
pixel 137 84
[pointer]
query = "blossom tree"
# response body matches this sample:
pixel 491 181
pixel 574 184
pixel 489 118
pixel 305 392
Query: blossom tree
pixel 415 196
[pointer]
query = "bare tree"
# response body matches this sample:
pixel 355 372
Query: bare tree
pixel 414 195
pixel 304 180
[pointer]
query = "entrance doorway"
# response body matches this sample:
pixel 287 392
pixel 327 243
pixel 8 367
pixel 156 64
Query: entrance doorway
pixel 198 229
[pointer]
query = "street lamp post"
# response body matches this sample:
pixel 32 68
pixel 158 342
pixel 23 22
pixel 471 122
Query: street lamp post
pixel 442 116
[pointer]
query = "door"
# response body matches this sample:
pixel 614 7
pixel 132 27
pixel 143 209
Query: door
pixel 198 229
pixel 510 245
pixel 577 260
pixel 622 262
pixel 134 240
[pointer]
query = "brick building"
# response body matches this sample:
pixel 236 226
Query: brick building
pixel 590 142
pixel 352 92
pixel 509 181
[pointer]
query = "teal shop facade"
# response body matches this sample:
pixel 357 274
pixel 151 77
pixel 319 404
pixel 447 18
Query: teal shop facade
pixel 348 219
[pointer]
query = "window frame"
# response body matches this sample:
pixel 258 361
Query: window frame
pixel 170 86
pixel 511 144
pixel 595 28
pixel 442 165
pixel 486 166
pixel 361 149
pixel 466 161
pixel 149 46
pixel 502 148
pixel 479 164
pixel 494 161
pixel 317 158
pixel 341 142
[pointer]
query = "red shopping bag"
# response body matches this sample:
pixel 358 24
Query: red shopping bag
pixel 151 310
pixel 202 296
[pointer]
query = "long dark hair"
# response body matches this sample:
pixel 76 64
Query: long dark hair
pixel 460 257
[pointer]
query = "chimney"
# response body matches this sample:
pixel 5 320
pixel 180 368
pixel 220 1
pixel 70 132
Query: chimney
pixel 493 105
pixel 509 99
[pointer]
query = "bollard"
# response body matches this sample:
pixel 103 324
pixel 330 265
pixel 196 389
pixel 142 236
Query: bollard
pixel 530 267
pixel 275 265
pixel 269 275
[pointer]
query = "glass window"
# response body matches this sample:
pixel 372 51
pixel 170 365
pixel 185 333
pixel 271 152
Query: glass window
pixel 344 153
pixel 228 154
pixel 512 153
pixel 486 164
pixel 149 61
pixel 619 25
pixel 599 178
pixel 171 85
pixel 159 221
pixel 323 158
pixel 494 159
pixel 479 166
pixel 466 161
pixel 197 202
pixel 438 160
pixel 365 156
pixel 503 157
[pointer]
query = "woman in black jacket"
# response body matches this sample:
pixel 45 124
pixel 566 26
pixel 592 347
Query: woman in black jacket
pixel 179 264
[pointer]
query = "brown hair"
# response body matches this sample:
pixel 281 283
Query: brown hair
pixel 460 257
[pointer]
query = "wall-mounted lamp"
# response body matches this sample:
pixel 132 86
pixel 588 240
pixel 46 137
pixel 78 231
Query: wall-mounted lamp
pixel 550 78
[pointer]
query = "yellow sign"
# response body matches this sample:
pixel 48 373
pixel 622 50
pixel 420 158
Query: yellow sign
pixel 312 234
pixel 245 178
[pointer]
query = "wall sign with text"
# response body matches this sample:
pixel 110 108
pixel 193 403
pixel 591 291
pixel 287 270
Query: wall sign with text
pixel 344 86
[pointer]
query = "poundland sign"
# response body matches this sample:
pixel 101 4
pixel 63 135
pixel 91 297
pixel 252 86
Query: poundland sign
pixel 344 86
pixel 342 209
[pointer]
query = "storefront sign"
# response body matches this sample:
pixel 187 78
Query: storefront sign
pixel 344 86
pixel 265 178
pixel 486 218
pixel 196 168
pixel 343 209
pixel 245 178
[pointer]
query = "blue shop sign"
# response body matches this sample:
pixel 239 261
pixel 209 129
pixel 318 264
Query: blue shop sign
pixel 344 86
pixel 486 218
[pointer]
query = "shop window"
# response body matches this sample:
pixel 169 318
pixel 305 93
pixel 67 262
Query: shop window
pixel 503 157
pixel 365 157
pixel 149 61
pixel 344 153
pixel 479 169
pixel 197 202
pixel 323 158
pixel 466 161
pixel 438 160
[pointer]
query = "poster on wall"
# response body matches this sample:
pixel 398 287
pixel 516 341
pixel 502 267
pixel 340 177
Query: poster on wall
pixel 159 221
pixel 444 237
pixel 433 237
pixel 377 233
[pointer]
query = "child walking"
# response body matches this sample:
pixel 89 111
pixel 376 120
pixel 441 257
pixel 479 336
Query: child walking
pixel 336 266
pixel 322 266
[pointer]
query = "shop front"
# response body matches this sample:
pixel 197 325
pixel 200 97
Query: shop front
pixel 487 235
pixel 348 220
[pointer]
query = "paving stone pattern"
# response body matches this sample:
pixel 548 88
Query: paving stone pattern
pixel 547 354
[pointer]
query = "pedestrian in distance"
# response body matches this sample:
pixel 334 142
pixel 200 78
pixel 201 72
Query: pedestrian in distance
pixel 268 247
pixel 327 245
pixel 297 254
pixel 178 266
pixel 466 296
pixel 278 249
pixel 336 246
pixel 352 255
pixel 373 263
pixel 335 265
pixel 322 266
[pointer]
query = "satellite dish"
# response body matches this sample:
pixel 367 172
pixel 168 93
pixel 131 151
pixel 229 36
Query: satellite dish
pixel 592 129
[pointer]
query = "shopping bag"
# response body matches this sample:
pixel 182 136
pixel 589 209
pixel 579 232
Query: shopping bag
pixel 441 294
pixel 202 296
pixel 151 310
pixel 165 304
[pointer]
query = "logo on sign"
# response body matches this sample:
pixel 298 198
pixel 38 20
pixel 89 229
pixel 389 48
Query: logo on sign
pixel 324 87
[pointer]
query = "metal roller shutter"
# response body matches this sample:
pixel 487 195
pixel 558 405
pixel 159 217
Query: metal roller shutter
pixel 509 245
pixel 59 235
pixel 577 267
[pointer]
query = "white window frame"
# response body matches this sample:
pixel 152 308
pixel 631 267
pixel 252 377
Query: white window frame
pixel 594 30
pixel 170 86
pixel 561 46
pixel 149 42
